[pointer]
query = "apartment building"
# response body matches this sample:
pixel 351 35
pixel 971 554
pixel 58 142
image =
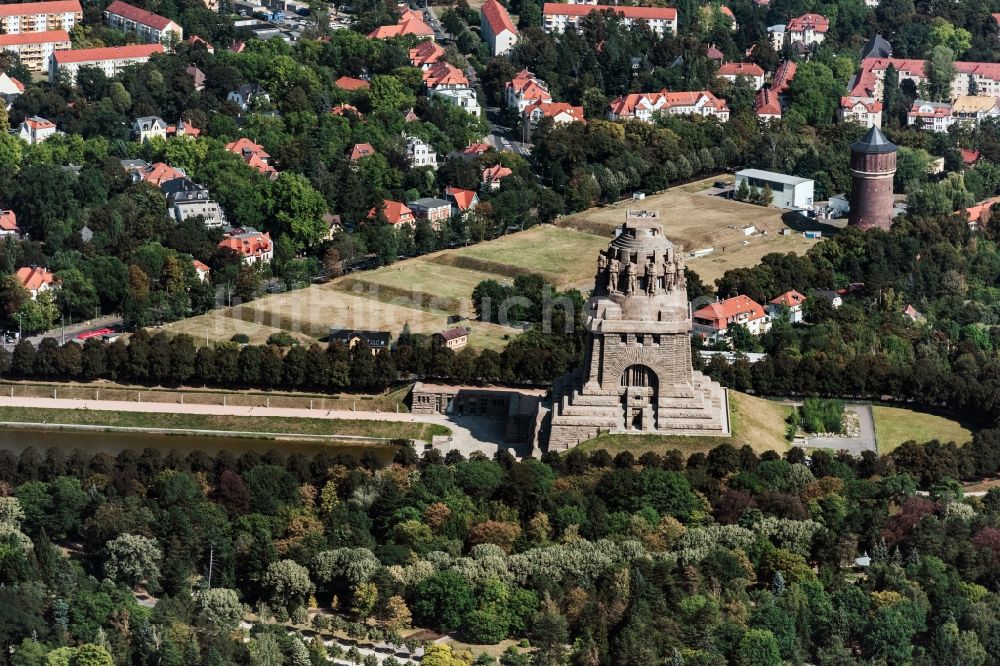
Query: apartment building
pixel 558 17
pixel 497 29
pixel 865 111
pixel 35 49
pixel 110 60
pixel 149 27
pixel 40 16
pixel 643 106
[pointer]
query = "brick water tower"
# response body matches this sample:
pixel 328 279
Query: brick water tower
pixel 873 165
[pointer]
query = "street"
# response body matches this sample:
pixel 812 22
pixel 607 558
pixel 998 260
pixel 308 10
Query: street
pixel 72 330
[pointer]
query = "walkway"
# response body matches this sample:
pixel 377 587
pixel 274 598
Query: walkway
pixel 468 434
pixel 853 445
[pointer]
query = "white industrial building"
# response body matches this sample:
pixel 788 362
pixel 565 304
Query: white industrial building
pixel 787 191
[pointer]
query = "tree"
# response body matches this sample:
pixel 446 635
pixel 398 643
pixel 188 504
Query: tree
pixel 297 208
pixel 940 73
pixel 288 583
pixel 758 647
pixel 443 601
pixel 365 598
pixel 814 96
pixel 395 615
pixel 219 608
pixel 132 559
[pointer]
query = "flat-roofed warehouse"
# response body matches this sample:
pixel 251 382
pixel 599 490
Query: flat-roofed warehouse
pixel 787 191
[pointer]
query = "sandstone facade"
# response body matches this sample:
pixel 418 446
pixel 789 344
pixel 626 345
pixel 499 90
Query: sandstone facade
pixel 637 375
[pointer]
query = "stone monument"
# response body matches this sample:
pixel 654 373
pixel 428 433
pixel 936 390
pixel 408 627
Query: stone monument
pixel 637 375
pixel 873 165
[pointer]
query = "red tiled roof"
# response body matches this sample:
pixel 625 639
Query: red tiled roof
pixel 107 53
pixel 789 298
pixel 740 69
pixel 8 221
pixel 713 53
pixel 361 150
pixel 495 173
pixel 138 15
pixel 976 212
pixel 783 75
pixel 553 109
pixel 351 83
pixel 626 105
pixel 410 23
pixel 766 103
pixel 341 109
pixel 160 173
pixel 37 123
pixel 476 148
pixel 244 145
pixel 425 53
pixel 35 8
pixel 721 312
pixel 249 245
pixel 33 277
pixel 870 104
pixel 969 157
pixel 816 22
pixel 497 17
pixel 560 9
pixel 463 198
pixel 396 212
pixel 44 37
pixel 444 74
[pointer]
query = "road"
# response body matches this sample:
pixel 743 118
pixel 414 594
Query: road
pixel 73 330
pixel 469 433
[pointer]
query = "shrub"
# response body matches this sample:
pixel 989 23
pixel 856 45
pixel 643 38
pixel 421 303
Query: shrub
pixel 240 339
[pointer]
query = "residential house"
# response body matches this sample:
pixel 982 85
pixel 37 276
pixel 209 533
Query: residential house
pixel 752 72
pixel 714 320
pixel 979 214
pixel 196 42
pixel 36 280
pixel 351 84
pixel 197 77
pixel 777 35
pixel 834 298
pixel 248 94
pixel 110 60
pixel 561 113
pixel 791 301
pixel 361 150
pixel 159 173
pixel 20 17
pixel 767 105
pixel 36 129
pixel 492 176
pixel 410 23
pixel 525 89
pixel 714 54
pixel 463 98
pixel 558 17
pixel 420 153
pixel 432 209
pixel 425 54
pixel 182 128
pixel 149 27
pixel 8 224
pixel 187 199
pixel 253 246
pixel 865 111
pixel 10 89
pixel 454 338
pixel 443 74
pixel 149 127
pixel 913 314
pixel 462 201
pixel 472 151
pixel 346 110
pixel 254 155
pixel 642 106
pixel 806 31
pixel 396 213
pixel 930 116
pixel 376 341
pixel 333 225
pixel 973 109
pixel 496 28
pixel 201 270
pixel 35 49
pixel 969 157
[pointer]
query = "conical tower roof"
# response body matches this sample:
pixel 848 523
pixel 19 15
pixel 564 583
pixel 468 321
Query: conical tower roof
pixel 873 143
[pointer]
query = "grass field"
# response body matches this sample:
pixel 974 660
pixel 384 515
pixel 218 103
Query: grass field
pixel 431 291
pixel 894 425
pixel 235 424
pixel 755 421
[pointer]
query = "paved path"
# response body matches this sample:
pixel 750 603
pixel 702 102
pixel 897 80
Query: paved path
pixel 468 434
pixel 854 445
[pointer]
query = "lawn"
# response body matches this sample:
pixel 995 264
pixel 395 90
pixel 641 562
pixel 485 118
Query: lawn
pixel 755 421
pixel 895 425
pixel 228 424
